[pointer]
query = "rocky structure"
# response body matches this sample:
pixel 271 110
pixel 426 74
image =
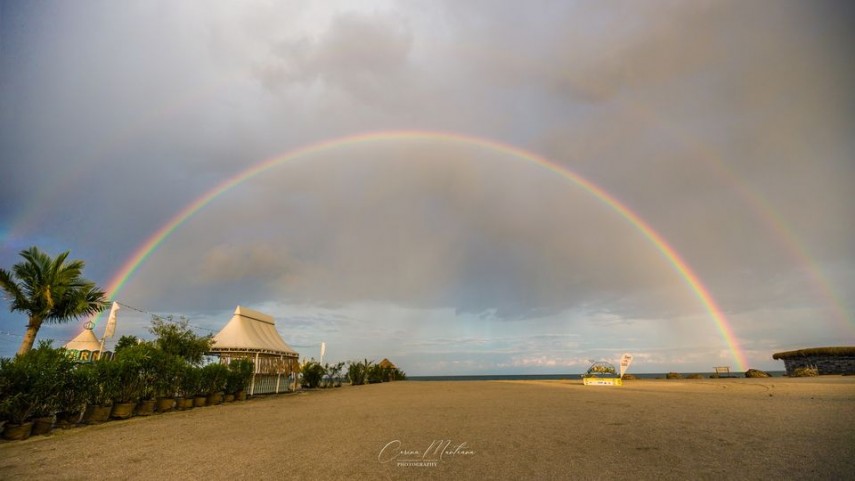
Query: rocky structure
pixel 827 360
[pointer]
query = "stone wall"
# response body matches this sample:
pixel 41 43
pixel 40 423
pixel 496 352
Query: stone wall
pixel 824 364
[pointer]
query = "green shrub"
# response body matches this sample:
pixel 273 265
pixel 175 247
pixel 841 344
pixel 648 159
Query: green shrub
pixel 77 391
pixel 32 383
pixel 673 375
pixel 357 372
pixel 313 373
pixel 136 371
pixel 179 340
pixel 240 375
pixel 101 381
pixel 695 376
pixel 169 374
pixel 332 378
pixel 376 373
pixel 214 377
pixel 125 342
pixel 191 381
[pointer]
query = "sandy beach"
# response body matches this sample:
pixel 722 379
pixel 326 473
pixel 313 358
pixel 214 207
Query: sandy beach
pixel 777 428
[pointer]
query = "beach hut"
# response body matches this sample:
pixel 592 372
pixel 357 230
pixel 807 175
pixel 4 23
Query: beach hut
pixel 389 369
pixel 252 335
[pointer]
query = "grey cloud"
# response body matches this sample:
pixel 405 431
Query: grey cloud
pixel 361 55
pixel 725 126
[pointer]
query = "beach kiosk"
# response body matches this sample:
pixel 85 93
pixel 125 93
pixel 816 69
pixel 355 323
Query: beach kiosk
pixel 602 373
pixel 252 335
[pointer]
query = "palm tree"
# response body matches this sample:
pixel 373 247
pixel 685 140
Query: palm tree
pixel 49 290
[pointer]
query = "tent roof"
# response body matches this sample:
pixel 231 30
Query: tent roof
pixel 251 331
pixel 85 341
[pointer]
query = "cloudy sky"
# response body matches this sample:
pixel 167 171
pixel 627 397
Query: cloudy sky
pixel 727 127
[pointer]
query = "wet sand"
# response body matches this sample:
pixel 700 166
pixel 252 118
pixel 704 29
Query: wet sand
pixel 778 428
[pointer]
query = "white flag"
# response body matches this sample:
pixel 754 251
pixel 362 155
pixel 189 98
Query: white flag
pixel 625 361
pixel 111 321
pixel 323 350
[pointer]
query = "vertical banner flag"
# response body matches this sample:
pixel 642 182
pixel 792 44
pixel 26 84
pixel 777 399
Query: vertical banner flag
pixel 111 321
pixel 625 361
pixel 323 350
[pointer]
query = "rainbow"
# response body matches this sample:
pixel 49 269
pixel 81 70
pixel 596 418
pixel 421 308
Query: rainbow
pixel 782 232
pixel 701 292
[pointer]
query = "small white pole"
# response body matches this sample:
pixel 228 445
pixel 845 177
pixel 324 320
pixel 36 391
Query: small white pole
pixel 278 374
pixel 254 368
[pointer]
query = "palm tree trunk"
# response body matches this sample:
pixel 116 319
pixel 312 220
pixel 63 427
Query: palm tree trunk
pixel 30 336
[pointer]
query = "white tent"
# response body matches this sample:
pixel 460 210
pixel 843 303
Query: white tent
pixel 251 331
pixel 85 346
pixel 252 335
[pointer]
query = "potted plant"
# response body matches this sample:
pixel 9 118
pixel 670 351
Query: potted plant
pixel 214 382
pixel 152 363
pixel 189 385
pixel 240 375
pixel 131 378
pixel 54 368
pixel 31 386
pixel 231 381
pixel 73 397
pixel 200 396
pixel 103 376
pixel 4 397
pixel 17 410
pixel 170 370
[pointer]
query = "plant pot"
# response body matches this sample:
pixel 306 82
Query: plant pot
pixel 187 403
pixel 68 420
pixel 165 404
pixel 229 398
pixel 240 396
pixel 122 410
pixel 145 408
pixel 17 432
pixel 97 414
pixel 199 401
pixel 215 398
pixel 42 425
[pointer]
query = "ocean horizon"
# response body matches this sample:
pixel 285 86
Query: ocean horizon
pixel 568 376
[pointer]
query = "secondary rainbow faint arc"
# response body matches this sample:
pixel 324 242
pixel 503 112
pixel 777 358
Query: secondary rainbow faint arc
pixel 680 265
